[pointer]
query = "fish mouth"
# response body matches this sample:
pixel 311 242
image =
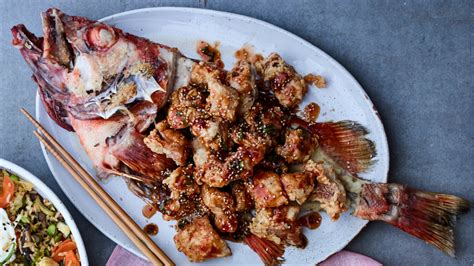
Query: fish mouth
pixel 23 37
pixel 50 58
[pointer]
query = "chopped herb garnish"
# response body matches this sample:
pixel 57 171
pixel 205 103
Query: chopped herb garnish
pixel 268 129
pixel 237 165
pixel 240 135
pixel 182 223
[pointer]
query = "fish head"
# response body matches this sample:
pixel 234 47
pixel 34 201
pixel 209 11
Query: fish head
pixel 91 70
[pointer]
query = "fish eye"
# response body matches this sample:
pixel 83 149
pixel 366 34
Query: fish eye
pixel 100 37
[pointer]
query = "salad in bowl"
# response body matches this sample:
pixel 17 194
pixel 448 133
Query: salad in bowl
pixel 36 228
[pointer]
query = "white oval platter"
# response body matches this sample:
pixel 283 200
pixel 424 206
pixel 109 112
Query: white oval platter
pixel 343 99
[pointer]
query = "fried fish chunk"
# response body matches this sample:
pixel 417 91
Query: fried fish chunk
pixel 199 241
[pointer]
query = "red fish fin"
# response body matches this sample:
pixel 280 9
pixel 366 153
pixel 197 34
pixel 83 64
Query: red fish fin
pixel 132 151
pixel 270 252
pixel 346 143
pixel 426 215
pixel 145 191
pixel 55 109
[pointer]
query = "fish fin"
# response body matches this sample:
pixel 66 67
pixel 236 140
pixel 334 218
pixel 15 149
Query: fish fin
pixel 133 152
pixel 346 143
pixel 428 216
pixel 268 251
pixel 145 191
pixel 54 108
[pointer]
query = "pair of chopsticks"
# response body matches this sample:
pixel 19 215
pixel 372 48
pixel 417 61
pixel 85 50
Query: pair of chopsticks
pixel 103 199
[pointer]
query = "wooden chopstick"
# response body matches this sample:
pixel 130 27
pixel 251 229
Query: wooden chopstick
pixel 123 226
pixel 133 231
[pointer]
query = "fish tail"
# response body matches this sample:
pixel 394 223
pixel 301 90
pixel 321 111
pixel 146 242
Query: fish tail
pixel 426 215
pixel 268 251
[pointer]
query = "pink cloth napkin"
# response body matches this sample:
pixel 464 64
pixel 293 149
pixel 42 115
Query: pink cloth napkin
pixel 346 258
pixel 122 257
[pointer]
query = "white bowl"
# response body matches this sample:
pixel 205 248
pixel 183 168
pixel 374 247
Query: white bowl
pixel 47 193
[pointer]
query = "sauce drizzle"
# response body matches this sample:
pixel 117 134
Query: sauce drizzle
pixel 311 112
pixel 311 220
pixel 148 211
pixel 151 229
pixel 209 53
pixel 315 80
pixel 247 53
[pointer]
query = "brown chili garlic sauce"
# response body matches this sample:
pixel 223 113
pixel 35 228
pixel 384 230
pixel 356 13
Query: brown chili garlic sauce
pixel 151 229
pixel 210 53
pixel 247 53
pixel 311 112
pixel 311 220
pixel 316 80
pixel 148 211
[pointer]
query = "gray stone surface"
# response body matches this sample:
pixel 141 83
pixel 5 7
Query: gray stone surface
pixel 413 58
